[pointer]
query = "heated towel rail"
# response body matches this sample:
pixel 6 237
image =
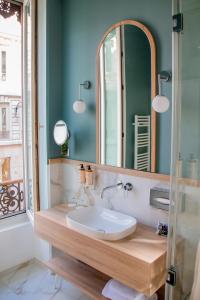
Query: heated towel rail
pixel 142 147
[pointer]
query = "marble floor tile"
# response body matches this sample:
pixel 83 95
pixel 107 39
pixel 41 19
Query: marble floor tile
pixel 70 289
pixel 32 281
pixel 84 297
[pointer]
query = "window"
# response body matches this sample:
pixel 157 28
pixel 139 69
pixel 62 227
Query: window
pixel 3 65
pixel 12 187
pixel 18 113
pixel 4 121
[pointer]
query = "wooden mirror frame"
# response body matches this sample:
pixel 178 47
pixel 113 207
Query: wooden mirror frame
pixel 153 90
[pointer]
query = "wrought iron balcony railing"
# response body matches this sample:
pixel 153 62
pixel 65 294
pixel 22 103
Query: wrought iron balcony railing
pixel 11 198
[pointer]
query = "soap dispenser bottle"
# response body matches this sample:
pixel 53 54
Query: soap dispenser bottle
pixel 89 176
pixel 179 171
pixel 193 167
pixel 82 174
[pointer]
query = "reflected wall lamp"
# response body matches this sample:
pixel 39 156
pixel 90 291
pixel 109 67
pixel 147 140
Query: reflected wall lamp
pixel 161 103
pixel 79 106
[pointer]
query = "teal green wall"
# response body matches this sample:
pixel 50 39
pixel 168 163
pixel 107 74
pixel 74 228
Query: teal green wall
pixel 137 85
pixel 84 23
pixel 54 69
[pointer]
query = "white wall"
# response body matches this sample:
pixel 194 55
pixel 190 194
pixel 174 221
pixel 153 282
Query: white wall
pixel 19 244
pixel 16 241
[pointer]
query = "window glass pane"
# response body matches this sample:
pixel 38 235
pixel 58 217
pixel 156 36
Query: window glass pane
pixel 184 242
pixel 28 107
pixel 3 60
pixel 12 200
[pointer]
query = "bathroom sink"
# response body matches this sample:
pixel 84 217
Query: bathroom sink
pixel 101 223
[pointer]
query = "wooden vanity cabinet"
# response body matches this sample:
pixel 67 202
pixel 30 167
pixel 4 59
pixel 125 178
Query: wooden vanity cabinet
pixel 138 261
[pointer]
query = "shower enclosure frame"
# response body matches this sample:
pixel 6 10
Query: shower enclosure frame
pixel 180 188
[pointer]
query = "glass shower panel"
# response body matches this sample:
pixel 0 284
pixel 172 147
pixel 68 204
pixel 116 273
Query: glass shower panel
pixel 184 234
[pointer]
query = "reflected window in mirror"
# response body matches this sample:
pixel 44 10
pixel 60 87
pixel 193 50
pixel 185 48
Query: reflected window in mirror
pixel 111 99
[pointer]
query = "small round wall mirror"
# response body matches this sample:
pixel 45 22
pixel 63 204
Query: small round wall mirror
pixel 60 133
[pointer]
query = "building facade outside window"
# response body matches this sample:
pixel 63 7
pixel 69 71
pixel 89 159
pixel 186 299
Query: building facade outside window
pixel 10 95
pixel 11 113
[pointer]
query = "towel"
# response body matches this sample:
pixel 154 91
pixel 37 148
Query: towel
pixel 115 290
pixel 196 283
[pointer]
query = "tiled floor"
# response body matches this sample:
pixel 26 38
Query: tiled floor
pixel 33 281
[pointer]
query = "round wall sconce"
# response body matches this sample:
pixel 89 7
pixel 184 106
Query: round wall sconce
pixel 79 106
pixel 161 103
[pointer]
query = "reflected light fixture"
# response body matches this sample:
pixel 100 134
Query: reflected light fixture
pixel 161 103
pixel 79 106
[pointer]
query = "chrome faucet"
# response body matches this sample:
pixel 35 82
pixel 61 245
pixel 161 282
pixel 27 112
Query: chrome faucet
pixel 118 185
pixel 127 187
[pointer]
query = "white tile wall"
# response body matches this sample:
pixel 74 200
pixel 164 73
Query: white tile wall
pixel 64 185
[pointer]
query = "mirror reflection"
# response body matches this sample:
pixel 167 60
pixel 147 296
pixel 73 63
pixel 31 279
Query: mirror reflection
pixel 126 131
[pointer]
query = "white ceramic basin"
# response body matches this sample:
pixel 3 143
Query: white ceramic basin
pixel 101 223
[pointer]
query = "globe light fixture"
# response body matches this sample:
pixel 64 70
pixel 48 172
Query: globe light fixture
pixel 161 103
pixel 79 106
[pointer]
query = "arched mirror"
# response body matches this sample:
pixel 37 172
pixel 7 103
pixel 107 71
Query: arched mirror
pixel 126 85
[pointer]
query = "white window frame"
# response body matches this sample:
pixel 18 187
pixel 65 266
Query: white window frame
pixel 34 154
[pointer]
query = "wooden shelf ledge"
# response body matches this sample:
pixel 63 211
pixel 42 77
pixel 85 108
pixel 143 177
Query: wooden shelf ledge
pixel 89 280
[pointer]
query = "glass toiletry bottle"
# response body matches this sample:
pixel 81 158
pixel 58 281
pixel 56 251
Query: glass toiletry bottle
pixel 89 176
pixel 193 167
pixel 179 171
pixel 82 174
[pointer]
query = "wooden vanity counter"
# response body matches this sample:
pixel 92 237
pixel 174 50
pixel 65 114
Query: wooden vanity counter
pixel 139 261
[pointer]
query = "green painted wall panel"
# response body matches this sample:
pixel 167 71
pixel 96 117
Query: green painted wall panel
pixel 54 69
pixel 76 28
